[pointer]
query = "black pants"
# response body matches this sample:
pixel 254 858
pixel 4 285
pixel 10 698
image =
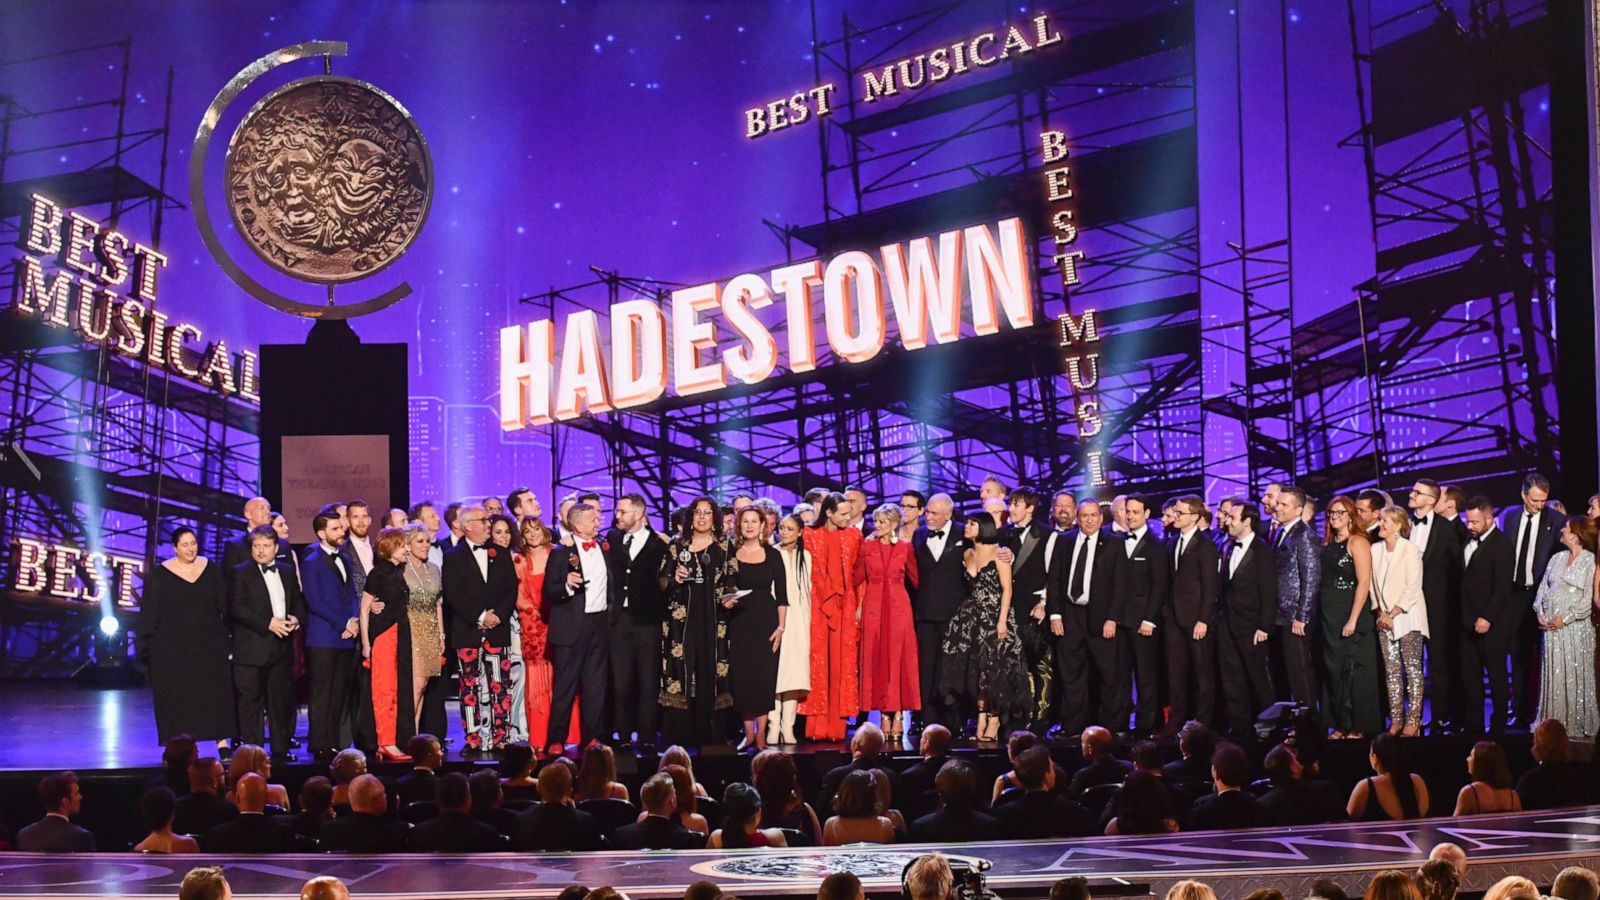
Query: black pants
pixel 1301 664
pixel 635 677
pixel 332 672
pixel 1106 658
pixel 1246 689
pixel 1524 644
pixel 1072 670
pixel 435 719
pixel 1143 654
pixel 271 687
pixel 1191 673
pixel 929 636
pixel 1445 676
pixel 583 665
pixel 1484 653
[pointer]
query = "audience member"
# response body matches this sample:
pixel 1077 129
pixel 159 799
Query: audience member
pixel 324 887
pixel 1074 887
pixel 252 831
pixel 205 883
pixel 454 830
pixel 866 753
pixel 1143 807
pixel 957 818
pixel 659 829
pixel 606 893
pixel 1295 799
pixel 1230 806
pixel 1196 743
pixel 917 782
pixel 1491 788
pixel 741 820
pixel 1328 889
pixel 1099 765
pixel 204 808
pixel 488 802
pixel 1554 780
pixel 699 890
pixel 929 878
pixel 1268 893
pixel 857 819
pixel 516 772
pixel 1392 884
pixel 782 805
pixel 251 758
pixel 176 758
pixel 365 829
pixel 1576 883
pixel 880 788
pixel 1190 890
pixel 579 892
pixel 316 807
pixel 421 784
pixel 687 803
pixel 347 765
pixel 1437 880
pixel 1039 812
pixel 839 885
pixel 676 755
pixel 1394 792
pixel 597 780
pixel 1512 887
pixel 556 823
pixel 156 810
pixel 1452 854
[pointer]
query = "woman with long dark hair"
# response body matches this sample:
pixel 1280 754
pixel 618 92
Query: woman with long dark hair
pixel 183 633
pixel 1394 792
pixel 794 656
pixel 1351 678
pixel 755 624
pixel 1491 790
pixel 741 817
pixel 694 674
pixel 782 805
pixel 835 621
pixel 981 666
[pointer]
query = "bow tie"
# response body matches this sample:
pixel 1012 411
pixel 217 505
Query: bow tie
pixel 590 545
pixel 1238 548
pixel 271 567
pixel 936 534
pixel 477 548
pixel 1419 520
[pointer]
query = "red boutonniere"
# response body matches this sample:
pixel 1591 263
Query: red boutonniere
pixel 491 553
pixel 605 546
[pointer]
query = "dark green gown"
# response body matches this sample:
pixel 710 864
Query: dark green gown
pixel 1352 690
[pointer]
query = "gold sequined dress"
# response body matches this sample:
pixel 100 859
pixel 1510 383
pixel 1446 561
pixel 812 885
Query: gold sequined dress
pixel 427 642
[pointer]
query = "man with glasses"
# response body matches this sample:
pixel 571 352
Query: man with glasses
pixel 911 503
pixel 1441 559
pixel 1533 529
pixel 1189 617
pixel 480 597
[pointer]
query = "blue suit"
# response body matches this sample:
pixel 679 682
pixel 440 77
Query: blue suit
pixel 1299 579
pixel 331 602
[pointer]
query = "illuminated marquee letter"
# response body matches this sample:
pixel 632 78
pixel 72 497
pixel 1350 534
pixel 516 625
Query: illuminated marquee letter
pixel 1089 421
pixel 182 334
pixel 1080 330
pixel 95 316
pixel 638 353
pixel 1055 146
pixel 130 328
pixel 247 377
pixel 583 368
pixel 81 232
pixel 919 292
pixel 740 297
pixel 526 357
pixel 1075 366
pixel 29 575
pixel 216 370
pixel 149 263
pixel 32 295
pixel 44 226
pixel 840 314
pixel 113 254
pixel 999 271
pixel 61 564
pixel 796 283
pixel 690 336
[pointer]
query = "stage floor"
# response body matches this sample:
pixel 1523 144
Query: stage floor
pixel 1537 845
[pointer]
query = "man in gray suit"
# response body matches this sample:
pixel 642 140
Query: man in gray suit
pixel 55 833
pixel 1299 556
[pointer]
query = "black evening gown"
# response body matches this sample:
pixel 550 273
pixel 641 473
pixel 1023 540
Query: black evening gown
pixel 185 639
pixel 974 666
pixel 694 669
pixel 1352 685
pixel 753 667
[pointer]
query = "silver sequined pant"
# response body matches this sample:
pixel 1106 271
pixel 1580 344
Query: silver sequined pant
pixel 1402 664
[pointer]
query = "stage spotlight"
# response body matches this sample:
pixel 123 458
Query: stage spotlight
pixel 110 667
pixel 109 626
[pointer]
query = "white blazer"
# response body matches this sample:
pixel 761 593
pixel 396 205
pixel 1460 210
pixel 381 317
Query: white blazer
pixel 1397 586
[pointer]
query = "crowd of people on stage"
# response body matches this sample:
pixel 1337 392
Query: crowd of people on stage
pixel 1047 613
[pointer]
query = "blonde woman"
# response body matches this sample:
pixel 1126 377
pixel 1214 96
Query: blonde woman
pixel 889 677
pixel 1402 618
pixel 794 656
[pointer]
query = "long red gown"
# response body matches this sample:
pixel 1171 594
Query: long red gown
pixel 537 673
pixel 835 633
pixel 889 679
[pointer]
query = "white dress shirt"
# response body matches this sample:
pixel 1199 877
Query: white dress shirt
pixel 337 561
pixel 481 557
pixel 635 540
pixel 1420 531
pixel 1530 527
pixel 938 540
pixel 593 560
pixel 1237 554
pixel 275 593
pixel 1472 544
pixel 363 549
pixel 1093 540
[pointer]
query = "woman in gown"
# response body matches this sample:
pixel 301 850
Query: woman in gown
pixel 1349 628
pixel 386 645
pixel 502 534
pixel 182 626
pixel 756 624
pixel 1565 606
pixel 889 676
pixel 794 657
pixel 425 613
pixel 537 672
pixel 694 670
pixel 981 663
pixel 835 621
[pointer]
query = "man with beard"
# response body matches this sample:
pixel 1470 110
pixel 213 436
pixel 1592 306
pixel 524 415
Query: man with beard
pixel 331 629
pixel 634 562
pixel 1025 540
pixel 359 554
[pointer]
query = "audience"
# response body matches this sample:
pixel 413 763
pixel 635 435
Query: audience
pixel 1392 884
pixel 1196 743
pixel 325 888
pixel 421 784
pixel 1075 887
pixel 1099 765
pixel 252 831
pixel 741 819
pixel 699 890
pixel 347 765
pixel 688 798
pixel 204 807
pixel 251 758
pixel 205 883
pixel 1040 812
pixel 1295 799
pixel 1394 792
pixel 838 886
pixel 659 829
pixel 782 806
pixel 1269 893
pixel 556 823
pixel 917 781
pixel 929 878
pixel 1452 854
pixel 1575 883
pixel 488 802
pixel 858 818
pixel 516 772
pixel 454 830
pixel 1190 890
pixel 1143 807
pixel 579 892
pixel 1491 788
pixel 365 829
pixel 880 789
pixel 1437 880
pixel 866 753
pixel 676 755
pixel 597 780
pixel 156 810
pixel 1556 780
pixel 1230 806
pixel 176 758
pixel 957 818
pixel 316 807
pixel 1327 889
pixel 1512 887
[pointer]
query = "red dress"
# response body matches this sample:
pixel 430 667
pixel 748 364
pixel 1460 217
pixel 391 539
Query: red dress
pixel 835 633
pixel 889 679
pixel 537 673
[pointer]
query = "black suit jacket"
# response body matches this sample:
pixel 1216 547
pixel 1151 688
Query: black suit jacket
pixel 1250 595
pixel 1441 559
pixel 454 832
pixel 55 835
pixel 1144 579
pixel 941 583
pixel 656 833
pixel 1302 802
pixel 417 786
pixel 835 777
pixel 564 611
pixel 1486 583
pixel 252 833
pixel 364 833
pixel 949 825
pixel 1039 814
pixel 1106 770
pixel 1028 573
pixel 1233 809
pixel 636 580
pixel 199 813
pixel 250 612
pixel 916 785
pixel 237 551
pixel 1554 785
pixel 467 595
pixel 1196 584
pixel 1104 601
pixel 1544 542
pixel 554 827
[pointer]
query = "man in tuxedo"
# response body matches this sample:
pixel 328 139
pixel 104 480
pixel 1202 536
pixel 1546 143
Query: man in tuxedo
pixel 1368 504
pixel 367 829
pixel 1489 616
pixel 480 597
pixel 1082 602
pixel 1219 534
pixel 917 781
pixel 1269 509
pixel 1100 765
pixel 204 807
pixel 1024 538
pixel 331 605
pixel 1299 559
pixel 360 553
pixel 579 598
pixel 1041 812
pixel 1230 806
pixel 252 831
pixel 422 782
pixel 1441 562
pixel 1533 530
pixel 634 565
pixel 659 829
pixel 265 609
pixel 1249 612
pixel 556 825
pixel 957 818
pixel 1452 504
pixel 1189 617
pixel 1143 580
pixel 454 830
pixel 940 591
pixel 257 512
pixel 454 533
pixel 55 833
pixel 521 503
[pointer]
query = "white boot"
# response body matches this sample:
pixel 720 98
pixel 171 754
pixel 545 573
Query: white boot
pixel 786 726
pixel 772 721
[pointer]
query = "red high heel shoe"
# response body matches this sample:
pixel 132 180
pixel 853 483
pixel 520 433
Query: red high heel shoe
pixel 385 754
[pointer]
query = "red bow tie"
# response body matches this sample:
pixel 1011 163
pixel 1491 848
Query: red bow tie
pixel 589 545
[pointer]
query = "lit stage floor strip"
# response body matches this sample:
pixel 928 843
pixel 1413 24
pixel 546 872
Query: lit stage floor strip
pixel 1536 844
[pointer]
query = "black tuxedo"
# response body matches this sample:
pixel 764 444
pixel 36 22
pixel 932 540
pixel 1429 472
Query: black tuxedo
pixel 1250 604
pixel 555 828
pixel 364 833
pixel 580 648
pixel 53 834
pixel 1191 664
pixel 941 589
pixel 1028 576
pixel 1144 577
pixel 237 551
pixel 1524 645
pixel 1487 592
pixel 656 833
pixel 199 813
pixel 467 596
pixel 1040 814
pixel 1083 641
pixel 455 832
pixel 250 833
pixel 950 825
pixel 263 663
pixel 417 786
pixel 639 607
pixel 1441 567
pixel 836 776
pixel 1303 802
pixel 917 785
pixel 1230 809
pixel 1105 770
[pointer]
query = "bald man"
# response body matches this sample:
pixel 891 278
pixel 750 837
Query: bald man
pixel 366 829
pixel 324 887
pixel 253 831
pixel 1099 767
pixel 257 512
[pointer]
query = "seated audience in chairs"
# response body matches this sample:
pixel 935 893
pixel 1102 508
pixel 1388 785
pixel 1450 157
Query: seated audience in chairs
pixel 1268 893
pixel 1147 757
pixel 516 773
pixel 1099 765
pixel 1512 887
pixel 422 782
pixel 1190 890
pixel 957 818
pixel 1437 880
pixel 659 829
pixel 488 803
pixel 1295 799
pixel 1327 889
pixel 597 780
pixel 347 765
pixel 176 758
pixel 556 824
pixel 698 890
pixel 1073 887
pixel 1040 812
pixel 1143 807
pixel 1006 786
pixel 366 829
pixel 324 887
pixel 156 809
pixel 917 782
pixel 1491 789
pixel 866 753
pixel 1196 743
pixel 929 878
pixel 880 788
pixel 741 818
pixel 858 818
pixel 1452 854
pixel 205 883
pixel 1575 883
pixel 253 831
pixel 1392 884
pixel 204 808
pixel 454 830
pixel 677 756
pixel 838 886
pixel 1230 806
pixel 250 758
pixel 316 808
pixel 1394 792
pixel 1556 781
pixel 687 806
pixel 777 781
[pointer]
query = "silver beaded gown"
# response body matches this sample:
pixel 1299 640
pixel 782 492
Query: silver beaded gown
pixel 1566 685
